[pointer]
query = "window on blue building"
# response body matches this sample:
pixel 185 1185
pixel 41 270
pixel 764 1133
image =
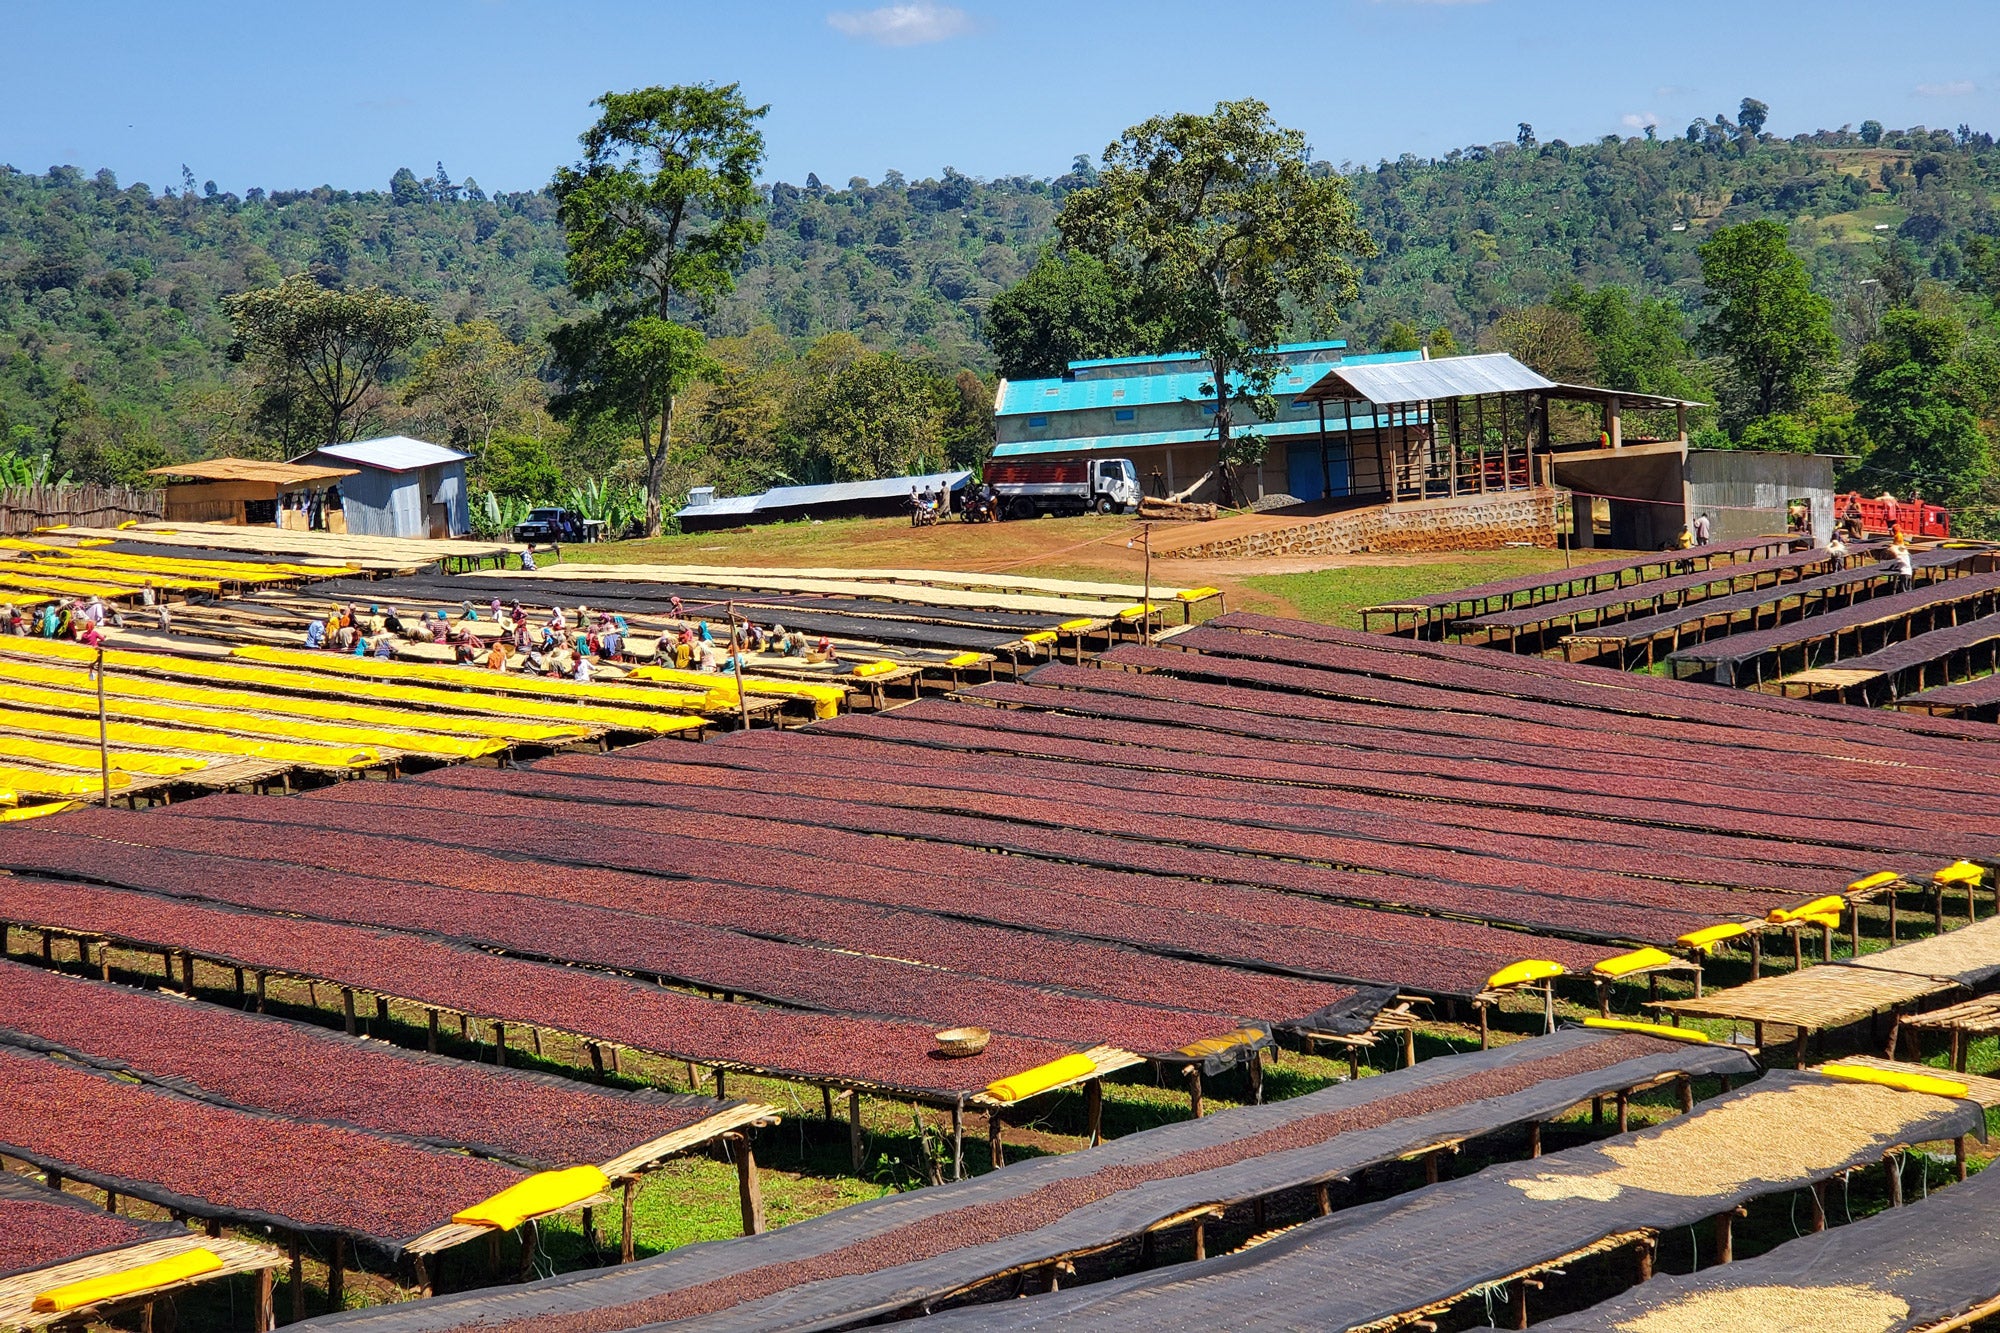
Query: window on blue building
pixel 1124 414
pixel 1208 409
pixel 1036 423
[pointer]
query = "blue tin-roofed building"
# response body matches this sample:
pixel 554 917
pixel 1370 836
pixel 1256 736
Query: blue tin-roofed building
pixel 1152 410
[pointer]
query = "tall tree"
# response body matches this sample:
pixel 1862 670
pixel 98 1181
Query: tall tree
pixel 1770 327
pixel 1068 308
pixel 473 382
pixel 1224 227
pixel 1914 398
pixel 329 347
pixel 658 216
pixel 857 413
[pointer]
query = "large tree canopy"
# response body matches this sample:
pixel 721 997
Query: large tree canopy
pixel 1068 308
pixel 1771 328
pixel 326 347
pixel 1914 397
pixel 658 215
pixel 1225 230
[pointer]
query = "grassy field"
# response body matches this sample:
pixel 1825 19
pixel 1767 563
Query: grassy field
pixel 1336 596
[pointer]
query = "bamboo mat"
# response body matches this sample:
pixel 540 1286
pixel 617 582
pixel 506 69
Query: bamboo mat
pixel 1827 996
pixel 17 1293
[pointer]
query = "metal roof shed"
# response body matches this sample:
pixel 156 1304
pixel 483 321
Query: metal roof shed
pixel 402 488
pixel 876 498
pixel 246 491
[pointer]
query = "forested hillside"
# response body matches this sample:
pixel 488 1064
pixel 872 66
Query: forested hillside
pixel 115 351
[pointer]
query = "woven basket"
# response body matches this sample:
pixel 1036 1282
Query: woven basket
pixel 963 1041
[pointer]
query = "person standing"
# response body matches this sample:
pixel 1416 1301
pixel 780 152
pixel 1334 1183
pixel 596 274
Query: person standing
pixel 1899 555
pixel 1702 528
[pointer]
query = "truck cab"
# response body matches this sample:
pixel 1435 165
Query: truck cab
pixel 1115 485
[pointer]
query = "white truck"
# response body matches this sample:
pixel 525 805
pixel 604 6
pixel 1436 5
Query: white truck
pixel 1024 488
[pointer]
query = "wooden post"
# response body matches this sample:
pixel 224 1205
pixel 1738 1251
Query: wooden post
pixel 1799 947
pixel 736 656
pixel 531 1234
pixel 750 1193
pixel 298 1281
pixel 336 1276
pixel 625 1221
pixel 1534 1138
pixel 431 1033
pixel 420 1271
pixel 958 1138
pixel 1093 1108
pixel 1818 1196
pixel 499 1043
pixel 1624 1112
pixel 1518 1303
pixel 1146 615
pixel 1756 954
pixel 1409 1047
pixel 1323 1198
pixel 261 978
pixel 1200 1240
pixel 1194 1089
pixel 1256 1071
pixel 1643 1253
pixel 1893 1170
pixel 1725 1236
pixel 854 1133
pixel 1854 931
pixel 267 1311
pixel 1684 1087
pixel 1892 915
pixel 1958 1152
pixel 103 743
pixel 1480 1005
pixel 1430 1167
pixel 347 1007
pixel 826 1102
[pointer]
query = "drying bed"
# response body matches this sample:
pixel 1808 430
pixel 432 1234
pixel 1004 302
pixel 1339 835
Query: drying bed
pixel 1420 1251
pixel 218 1162
pixel 597 1006
pixel 270 1064
pixel 1901 1270
pixel 1801 716
pixel 932 939
pixel 1695 614
pixel 1208 921
pixel 877 1258
pixel 40 1227
pixel 1919 649
pixel 1653 590
pixel 1530 583
pixel 736 962
pixel 1737 649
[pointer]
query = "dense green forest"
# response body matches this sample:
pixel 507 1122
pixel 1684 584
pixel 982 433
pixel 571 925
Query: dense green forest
pixel 866 304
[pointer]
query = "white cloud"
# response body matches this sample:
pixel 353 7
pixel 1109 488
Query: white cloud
pixel 1955 88
pixel 918 23
pixel 1638 120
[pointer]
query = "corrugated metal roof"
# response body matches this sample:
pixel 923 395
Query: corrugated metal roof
pixel 252 469
pixel 1418 381
pixel 1153 439
pixel 839 492
pixel 393 453
pixel 1034 397
pixel 1335 345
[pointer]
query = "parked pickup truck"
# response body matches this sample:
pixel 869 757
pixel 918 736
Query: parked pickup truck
pixel 1070 486
pixel 552 523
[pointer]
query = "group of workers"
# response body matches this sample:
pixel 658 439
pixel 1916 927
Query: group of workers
pixel 82 620
pixel 574 645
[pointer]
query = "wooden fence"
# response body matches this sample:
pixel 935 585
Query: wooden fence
pixel 25 508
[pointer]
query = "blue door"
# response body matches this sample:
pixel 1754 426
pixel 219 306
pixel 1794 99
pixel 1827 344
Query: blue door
pixel 1306 477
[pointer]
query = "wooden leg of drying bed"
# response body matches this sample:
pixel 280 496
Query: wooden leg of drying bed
pixel 1323 1198
pixel 267 1310
pixel 336 1276
pixel 1534 1140
pixel 749 1190
pixel 1200 1240
pixel 625 1221
pixel 298 1258
pixel 958 1138
pixel 1093 1106
pixel 1642 1253
pixel 1518 1304
pixel 431 1031
pixel 854 1132
pixel 1684 1089
pixel 1624 1112
pixel 1892 1168
pixel 1958 1152
pixel 1481 1007
pixel 1818 1193
pixel 993 1138
pixel 531 1234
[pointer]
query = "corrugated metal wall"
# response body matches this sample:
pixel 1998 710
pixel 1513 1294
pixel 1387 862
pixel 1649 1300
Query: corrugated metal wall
pixel 383 504
pixel 1745 494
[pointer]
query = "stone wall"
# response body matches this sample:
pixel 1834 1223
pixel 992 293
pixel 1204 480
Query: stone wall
pixel 1466 524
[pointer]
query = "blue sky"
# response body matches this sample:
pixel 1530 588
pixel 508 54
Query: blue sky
pixel 289 94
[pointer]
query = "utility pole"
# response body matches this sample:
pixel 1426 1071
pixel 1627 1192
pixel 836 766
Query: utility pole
pixel 1146 617
pixel 736 659
pixel 103 741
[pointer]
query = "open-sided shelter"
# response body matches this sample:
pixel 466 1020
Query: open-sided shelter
pixel 253 491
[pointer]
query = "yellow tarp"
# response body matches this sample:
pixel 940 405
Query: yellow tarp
pixel 1708 937
pixel 1959 872
pixel 232 571
pixel 1041 1078
pixel 1650 1029
pixel 23 577
pixel 1888 1078
pixel 826 699
pixel 85 756
pixel 237 722
pixel 1637 961
pixel 496 706
pixel 471 678
pixel 437 725
pixel 20 720
pixel 124 578
pixel 881 667
pixel 19 813
pixel 1831 905
pixel 1874 881
pixel 545 1192
pixel 160 1273
pixel 1527 970
pixel 37 782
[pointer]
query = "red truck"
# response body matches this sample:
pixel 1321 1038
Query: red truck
pixel 1879 517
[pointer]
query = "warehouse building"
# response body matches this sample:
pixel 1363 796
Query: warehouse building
pixel 1152 410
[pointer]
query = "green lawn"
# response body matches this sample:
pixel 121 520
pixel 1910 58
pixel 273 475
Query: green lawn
pixel 1336 596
